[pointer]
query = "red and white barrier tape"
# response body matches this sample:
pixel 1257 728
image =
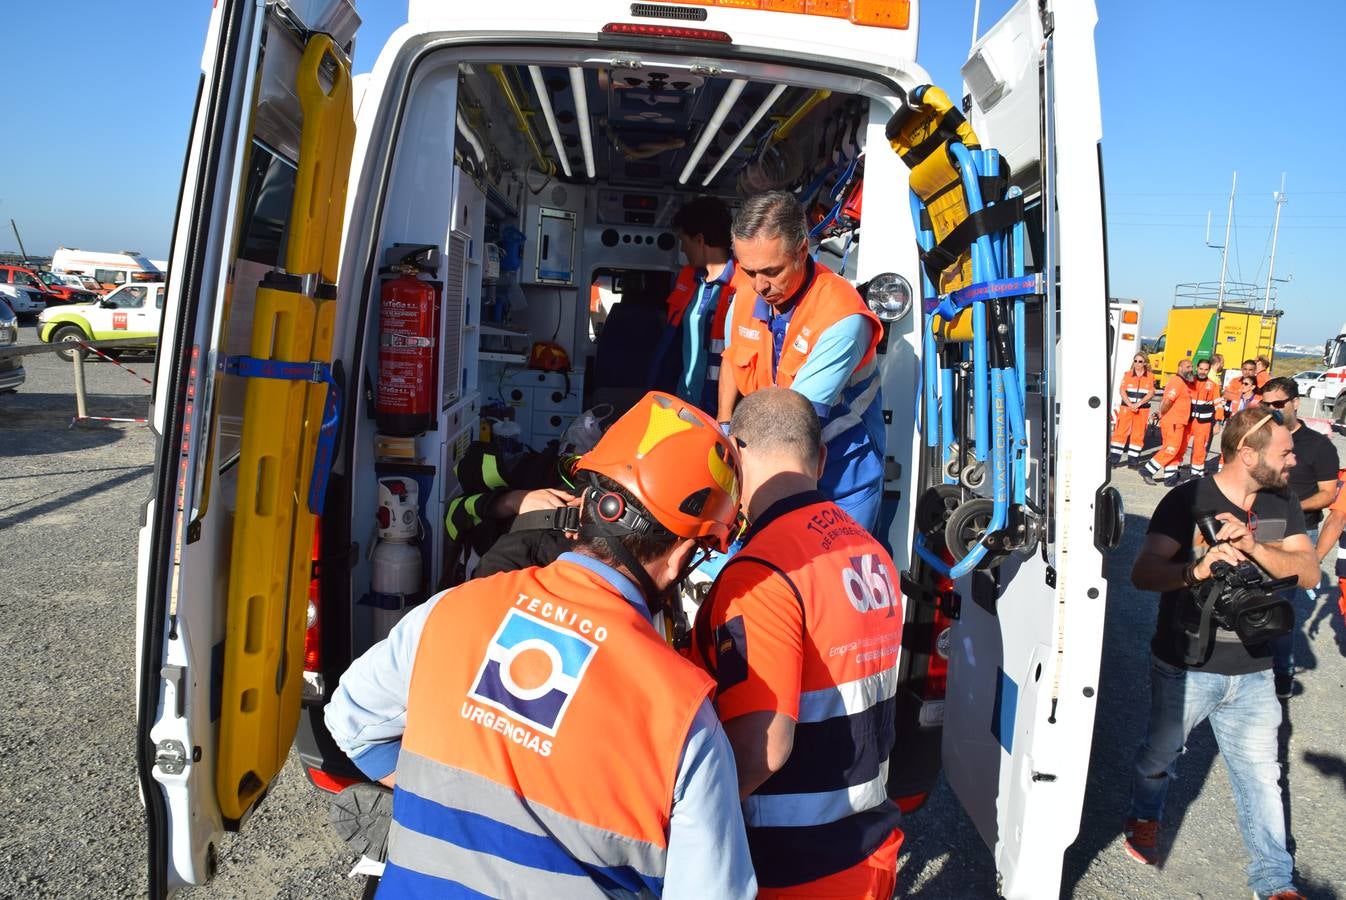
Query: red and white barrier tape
pixel 78 419
pixel 93 349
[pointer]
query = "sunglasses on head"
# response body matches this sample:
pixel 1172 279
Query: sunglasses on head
pixel 1271 416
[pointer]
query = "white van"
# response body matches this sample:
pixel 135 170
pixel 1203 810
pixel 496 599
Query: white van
pixel 581 127
pixel 110 270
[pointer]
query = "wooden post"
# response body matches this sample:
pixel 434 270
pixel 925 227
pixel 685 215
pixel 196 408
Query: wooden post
pixel 81 403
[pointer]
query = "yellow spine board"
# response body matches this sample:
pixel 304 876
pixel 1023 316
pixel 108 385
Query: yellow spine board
pixel 273 528
pixel 251 751
pixel 324 161
pixel 301 548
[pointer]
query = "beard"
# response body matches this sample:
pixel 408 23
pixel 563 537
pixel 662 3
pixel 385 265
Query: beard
pixel 1268 477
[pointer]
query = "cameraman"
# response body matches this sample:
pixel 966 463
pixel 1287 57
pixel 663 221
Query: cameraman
pixel 1233 687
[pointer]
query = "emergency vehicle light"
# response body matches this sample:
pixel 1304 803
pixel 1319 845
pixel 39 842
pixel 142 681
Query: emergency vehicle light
pixel 1130 317
pixel 880 13
pixel 635 29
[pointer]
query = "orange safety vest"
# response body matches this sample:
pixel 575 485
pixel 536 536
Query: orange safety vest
pixel 509 771
pixel 1180 413
pixel 1263 377
pixel 1136 387
pixel 827 808
pixel 828 299
pixel 1204 397
pixel 684 290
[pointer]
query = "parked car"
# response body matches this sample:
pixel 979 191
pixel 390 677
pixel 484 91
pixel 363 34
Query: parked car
pixel 25 301
pixel 72 280
pixel 132 310
pixel 11 370
pixel 52 293
pixel 1306 378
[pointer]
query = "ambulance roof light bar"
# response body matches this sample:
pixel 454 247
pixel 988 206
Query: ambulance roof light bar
pixel 713 126
pixel 582 113
pixel 762 110
pixel 545 103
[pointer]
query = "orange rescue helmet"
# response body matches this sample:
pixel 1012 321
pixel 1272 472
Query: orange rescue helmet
pixel 677 463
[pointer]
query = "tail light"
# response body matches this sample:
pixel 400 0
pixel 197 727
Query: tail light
pixel 333 784
pixel 313 680
pixel 937 671
pixel 673 32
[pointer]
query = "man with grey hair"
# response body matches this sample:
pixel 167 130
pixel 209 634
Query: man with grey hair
pixel 798 325
pixel 810 718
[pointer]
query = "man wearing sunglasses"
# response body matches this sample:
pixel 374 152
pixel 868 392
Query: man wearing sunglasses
pixel 1233 686
pixel 1314 481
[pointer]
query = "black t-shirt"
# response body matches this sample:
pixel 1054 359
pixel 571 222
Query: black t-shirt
pixel 1315 461
pixel 1275 515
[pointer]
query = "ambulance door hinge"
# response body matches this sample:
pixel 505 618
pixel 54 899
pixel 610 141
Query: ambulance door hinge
pixel 1048 18
pixel 170 757
pixel 1043 776
pixel 1051 577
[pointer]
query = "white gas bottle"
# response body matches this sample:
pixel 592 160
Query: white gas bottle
pixel 396 561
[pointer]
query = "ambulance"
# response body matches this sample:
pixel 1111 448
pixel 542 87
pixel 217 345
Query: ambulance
pixel 363 267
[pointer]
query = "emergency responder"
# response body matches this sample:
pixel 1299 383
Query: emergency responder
pixel 796 324
pixel 1262 370
pixel 1128 435
pixel 699 303
pixel 811 722
pixel 1207 410
pixel 1175 415
pixel 544 738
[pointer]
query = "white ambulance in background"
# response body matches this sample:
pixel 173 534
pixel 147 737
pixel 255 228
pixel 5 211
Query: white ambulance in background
pixel 583 126
pixel 1123 340
pixel 110 270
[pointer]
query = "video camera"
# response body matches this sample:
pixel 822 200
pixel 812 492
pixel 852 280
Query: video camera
pixel 1240 599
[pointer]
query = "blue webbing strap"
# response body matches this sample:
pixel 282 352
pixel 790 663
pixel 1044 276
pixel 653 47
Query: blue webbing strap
pixel 313 373
pixel 950 305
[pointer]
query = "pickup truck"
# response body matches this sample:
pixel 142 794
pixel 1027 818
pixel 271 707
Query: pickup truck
pixel 133 310
pixel 51 292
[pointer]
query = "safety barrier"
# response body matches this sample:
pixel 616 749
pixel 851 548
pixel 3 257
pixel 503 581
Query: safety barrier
pixel 97 347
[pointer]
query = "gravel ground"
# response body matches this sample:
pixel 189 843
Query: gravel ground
pixel 71 823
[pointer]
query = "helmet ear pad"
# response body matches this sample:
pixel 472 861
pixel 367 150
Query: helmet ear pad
pixel 610 507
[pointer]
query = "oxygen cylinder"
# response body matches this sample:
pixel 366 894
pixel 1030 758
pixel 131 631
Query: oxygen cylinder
pixel 395 564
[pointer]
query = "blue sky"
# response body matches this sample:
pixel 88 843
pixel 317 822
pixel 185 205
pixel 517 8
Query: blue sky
pixel 1192 91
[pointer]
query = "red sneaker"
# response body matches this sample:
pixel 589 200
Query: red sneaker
pixel 1287 895
pixel 1142 840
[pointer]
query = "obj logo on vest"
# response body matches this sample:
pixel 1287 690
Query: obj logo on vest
pixel 532 670
pixel 868 584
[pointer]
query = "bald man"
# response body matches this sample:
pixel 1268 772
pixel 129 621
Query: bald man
pixel 801 633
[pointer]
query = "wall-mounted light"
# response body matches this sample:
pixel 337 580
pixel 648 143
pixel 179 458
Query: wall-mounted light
pixel 582 113
pixel 762 110
pixel 547 114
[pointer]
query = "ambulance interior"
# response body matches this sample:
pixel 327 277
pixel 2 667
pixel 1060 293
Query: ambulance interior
pixel 548 192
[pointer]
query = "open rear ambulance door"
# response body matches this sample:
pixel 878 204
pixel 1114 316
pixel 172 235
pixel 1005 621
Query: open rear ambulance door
pixel 1025 648
pixel 243 153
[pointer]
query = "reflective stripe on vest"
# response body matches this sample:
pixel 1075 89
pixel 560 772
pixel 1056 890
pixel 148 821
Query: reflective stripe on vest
pixel 508 773
pixel 861 392
pixel 1136 386
pixel 1204 396
pixel 827 807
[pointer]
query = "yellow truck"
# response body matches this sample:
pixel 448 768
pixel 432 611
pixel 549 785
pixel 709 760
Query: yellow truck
pixel 1203 326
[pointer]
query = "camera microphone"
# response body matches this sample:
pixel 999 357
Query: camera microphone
pixel 1209 525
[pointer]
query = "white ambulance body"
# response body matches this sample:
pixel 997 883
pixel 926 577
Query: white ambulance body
pixel 453 143
pixel 1124 331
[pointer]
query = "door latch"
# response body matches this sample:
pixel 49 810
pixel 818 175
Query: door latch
pixel 170 757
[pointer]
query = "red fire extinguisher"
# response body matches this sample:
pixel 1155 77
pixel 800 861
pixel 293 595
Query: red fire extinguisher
pixel 408 326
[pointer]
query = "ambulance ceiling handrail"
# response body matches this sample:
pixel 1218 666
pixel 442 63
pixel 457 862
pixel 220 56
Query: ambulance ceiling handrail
pixel 521 117
pixel 762 110
pixel 538 85
pixel 582 114
pixel 731 94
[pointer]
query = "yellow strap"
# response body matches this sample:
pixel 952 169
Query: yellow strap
pixel 490 471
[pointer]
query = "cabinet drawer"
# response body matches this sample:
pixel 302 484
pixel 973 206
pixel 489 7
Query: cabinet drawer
pixel 551 422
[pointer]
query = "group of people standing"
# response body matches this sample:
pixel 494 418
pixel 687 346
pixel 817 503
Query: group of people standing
pixel 1194 403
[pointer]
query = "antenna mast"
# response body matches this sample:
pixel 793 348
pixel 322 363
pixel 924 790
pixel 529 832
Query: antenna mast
pixel 1224 248
pixel 1275 231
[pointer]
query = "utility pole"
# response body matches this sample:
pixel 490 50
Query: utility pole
pixel 22 252
pixel 1224 256
pixel 1279 196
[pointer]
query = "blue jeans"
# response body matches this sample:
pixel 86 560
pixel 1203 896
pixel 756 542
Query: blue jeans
pixel 1245 715
pixel 1283 647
